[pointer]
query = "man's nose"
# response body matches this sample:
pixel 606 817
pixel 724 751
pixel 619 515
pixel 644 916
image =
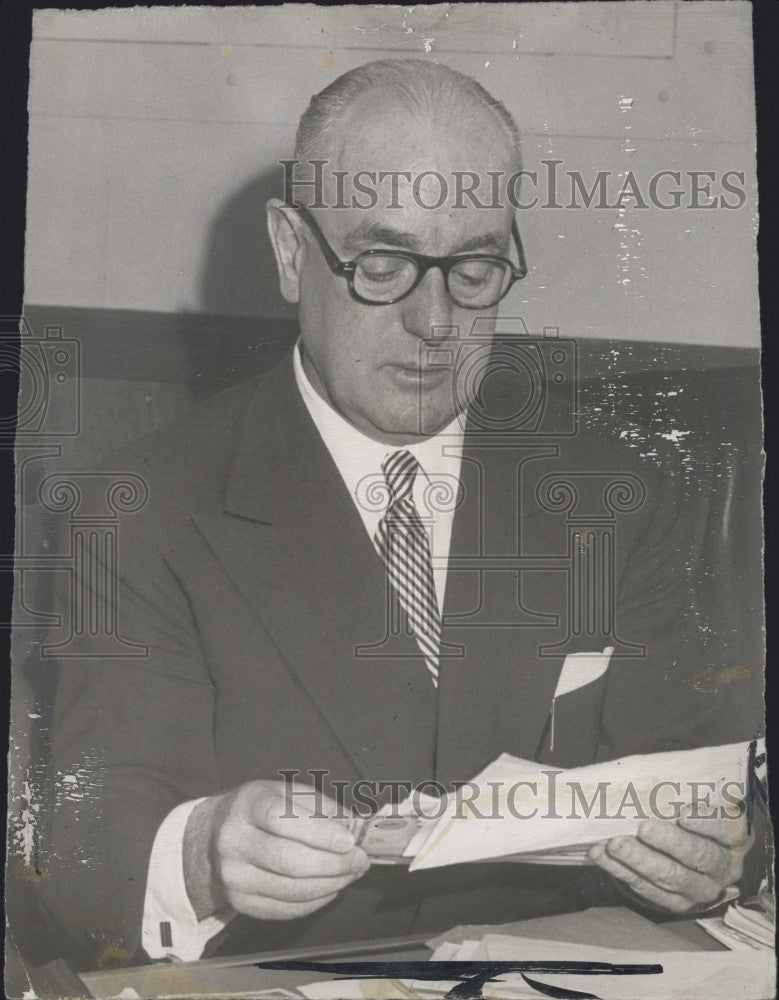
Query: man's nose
pixel 428 306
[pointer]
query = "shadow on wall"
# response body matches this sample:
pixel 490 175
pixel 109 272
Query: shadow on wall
pixel 243 326
pixel 238 274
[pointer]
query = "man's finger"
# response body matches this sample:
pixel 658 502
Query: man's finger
pixel 270 812
pixel 663 871
pixel 672 901
pixel 298 860
pixel 700 854
pixel 275 909
pixel 730 833
pixel 303 800
pixel 253 881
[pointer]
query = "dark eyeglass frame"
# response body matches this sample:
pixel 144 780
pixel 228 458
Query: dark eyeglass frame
pixel 347 268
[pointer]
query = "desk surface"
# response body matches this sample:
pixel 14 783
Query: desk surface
pixel 220 977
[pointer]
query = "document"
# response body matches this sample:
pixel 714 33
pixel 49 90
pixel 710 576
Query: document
pixel 545 815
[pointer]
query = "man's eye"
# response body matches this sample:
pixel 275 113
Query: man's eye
pixel 474 273
pixel 383 269
pixel 469 279
pixel 378 276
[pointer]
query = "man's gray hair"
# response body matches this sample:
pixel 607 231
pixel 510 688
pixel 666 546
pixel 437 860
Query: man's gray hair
pixel 424 88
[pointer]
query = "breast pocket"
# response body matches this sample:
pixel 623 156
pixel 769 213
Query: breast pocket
pixel 572 730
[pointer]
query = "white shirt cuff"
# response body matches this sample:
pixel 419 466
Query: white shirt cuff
pixel 170 927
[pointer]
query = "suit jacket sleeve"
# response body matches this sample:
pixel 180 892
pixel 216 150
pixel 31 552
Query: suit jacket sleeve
pixel 131 739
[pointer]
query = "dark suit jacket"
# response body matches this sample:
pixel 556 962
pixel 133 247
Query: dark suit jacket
pixel 250 579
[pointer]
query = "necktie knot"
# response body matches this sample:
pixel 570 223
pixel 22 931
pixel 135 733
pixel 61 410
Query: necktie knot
pixel 400 469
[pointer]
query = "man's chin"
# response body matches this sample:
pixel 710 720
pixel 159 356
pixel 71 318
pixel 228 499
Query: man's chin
pixel 417 424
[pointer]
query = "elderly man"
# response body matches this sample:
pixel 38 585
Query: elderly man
pixel 295 519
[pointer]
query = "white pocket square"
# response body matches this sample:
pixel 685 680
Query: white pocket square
pixel 582 668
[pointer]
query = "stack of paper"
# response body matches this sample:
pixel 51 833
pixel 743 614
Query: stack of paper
pixel 745 927
pixel 521 809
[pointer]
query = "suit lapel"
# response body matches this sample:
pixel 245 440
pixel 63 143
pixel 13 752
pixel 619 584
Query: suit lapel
pixel 496 698
pixel 295 546
pixel 293 542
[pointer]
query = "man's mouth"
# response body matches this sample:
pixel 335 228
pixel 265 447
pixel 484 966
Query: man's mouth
pixel 419 373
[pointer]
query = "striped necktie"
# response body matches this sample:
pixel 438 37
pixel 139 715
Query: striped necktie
pixel 402 543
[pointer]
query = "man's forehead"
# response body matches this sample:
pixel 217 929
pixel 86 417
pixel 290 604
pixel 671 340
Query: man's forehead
pixel 435 185
pixel 387 137
pixel 422 231
pixel 376 229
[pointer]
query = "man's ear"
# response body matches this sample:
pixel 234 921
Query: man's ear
pixel 285 229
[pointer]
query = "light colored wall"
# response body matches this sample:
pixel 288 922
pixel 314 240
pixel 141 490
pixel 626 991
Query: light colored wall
pixel 154 134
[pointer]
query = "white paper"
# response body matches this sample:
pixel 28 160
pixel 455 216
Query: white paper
pixel 490 824
pixel 687 975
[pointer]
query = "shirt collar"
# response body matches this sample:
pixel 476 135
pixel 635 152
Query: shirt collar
pixel 358 456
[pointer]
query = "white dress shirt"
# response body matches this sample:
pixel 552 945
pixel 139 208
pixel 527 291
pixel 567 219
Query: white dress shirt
pixel 170 926
pixel 358 458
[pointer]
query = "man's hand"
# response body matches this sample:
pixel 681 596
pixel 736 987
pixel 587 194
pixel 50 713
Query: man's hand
pixel 240 850
pixel 681 865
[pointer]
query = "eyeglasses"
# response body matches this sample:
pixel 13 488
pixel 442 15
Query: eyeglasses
pixel 382 277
